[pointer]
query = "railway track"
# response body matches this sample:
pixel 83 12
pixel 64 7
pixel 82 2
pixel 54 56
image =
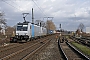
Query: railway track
pixel 15 45
pixel 35 50
pixel 48 52
pixel 24 53
pixel 8 45
pixel 12 51
pixel 83 41
pixel 70 53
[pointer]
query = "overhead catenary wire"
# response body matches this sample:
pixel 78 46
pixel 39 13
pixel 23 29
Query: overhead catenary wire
pixel 15 3
pixel 25 5
pixel 10 4
pixel 39 8
pixel 19 5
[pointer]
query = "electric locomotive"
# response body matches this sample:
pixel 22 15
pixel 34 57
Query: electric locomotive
pixel 27 31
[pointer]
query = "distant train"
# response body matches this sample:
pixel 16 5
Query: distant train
pixel 27 31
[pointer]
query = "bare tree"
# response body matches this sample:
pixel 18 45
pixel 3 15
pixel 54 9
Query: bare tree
pixel 10 31
pixel 81 27
pixel 50 25
pixel 2 19
pixel 2 22
pixel 78 31
pixel 0 27
pixel 14 27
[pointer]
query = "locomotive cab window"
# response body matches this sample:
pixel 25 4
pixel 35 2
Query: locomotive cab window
pixel 22 27
pixel 19 27
pixel 25 27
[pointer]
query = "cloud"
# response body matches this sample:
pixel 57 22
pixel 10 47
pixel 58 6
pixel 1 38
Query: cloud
pixel 70 13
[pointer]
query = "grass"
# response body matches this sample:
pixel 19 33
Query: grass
pixel 82 48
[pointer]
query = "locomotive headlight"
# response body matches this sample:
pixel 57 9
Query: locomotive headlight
pixel 17 33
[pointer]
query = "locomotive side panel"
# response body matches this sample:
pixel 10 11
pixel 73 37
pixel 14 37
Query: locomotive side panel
pixel 41 31
pixel 44 31
pixel 29 30
pixel 37 31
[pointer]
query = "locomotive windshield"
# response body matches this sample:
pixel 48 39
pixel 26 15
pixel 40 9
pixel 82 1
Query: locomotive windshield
pixel 22 27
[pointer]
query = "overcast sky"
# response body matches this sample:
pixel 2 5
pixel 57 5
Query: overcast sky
pixel 68 13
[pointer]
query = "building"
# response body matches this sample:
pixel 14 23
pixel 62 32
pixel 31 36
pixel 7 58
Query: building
pixel 3 29
pixel 87 29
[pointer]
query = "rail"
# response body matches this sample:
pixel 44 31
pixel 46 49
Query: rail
pixel 72 48
pixel 64 55
pixel 84 56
